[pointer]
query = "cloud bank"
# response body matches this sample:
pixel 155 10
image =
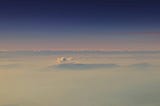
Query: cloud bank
pixel 10 66
pixel 69 63
pixel 141 66
pixel 85 66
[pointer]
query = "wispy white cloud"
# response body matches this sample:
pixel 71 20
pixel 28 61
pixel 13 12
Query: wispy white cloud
pixel 65 60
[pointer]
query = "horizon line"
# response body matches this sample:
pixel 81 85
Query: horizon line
pixel 80 50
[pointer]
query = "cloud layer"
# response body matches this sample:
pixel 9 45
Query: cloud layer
pixel 141 66
pixel 85 66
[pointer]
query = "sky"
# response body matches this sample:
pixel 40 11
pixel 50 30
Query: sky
pixel 125 74
pixel 79 25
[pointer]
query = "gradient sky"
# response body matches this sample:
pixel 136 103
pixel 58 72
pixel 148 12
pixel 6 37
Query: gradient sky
pixel 79 24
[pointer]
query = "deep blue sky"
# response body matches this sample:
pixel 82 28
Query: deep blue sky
pixel 72 21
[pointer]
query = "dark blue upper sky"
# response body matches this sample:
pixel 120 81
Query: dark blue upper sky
pixel 72 19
